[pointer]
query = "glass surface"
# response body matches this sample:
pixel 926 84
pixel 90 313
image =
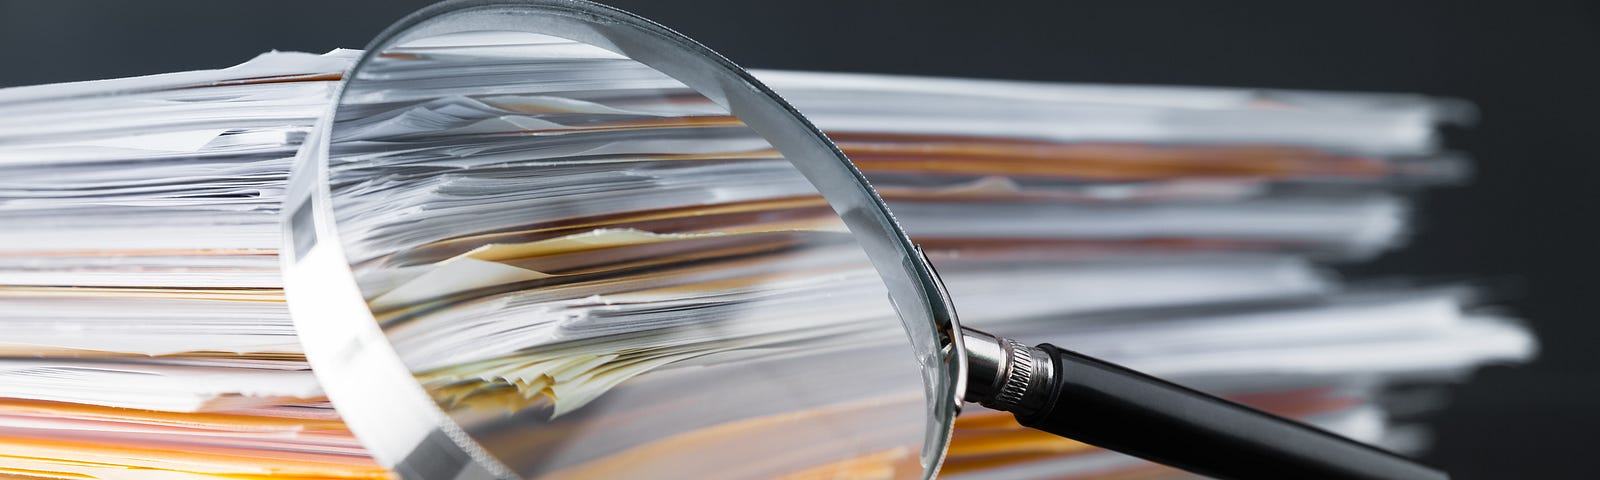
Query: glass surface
pixel 596 270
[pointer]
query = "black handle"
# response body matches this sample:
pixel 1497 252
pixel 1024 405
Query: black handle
pixel 1112 407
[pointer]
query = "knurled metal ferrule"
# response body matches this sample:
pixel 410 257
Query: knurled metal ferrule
pixel 1019 373
pixel 1005 374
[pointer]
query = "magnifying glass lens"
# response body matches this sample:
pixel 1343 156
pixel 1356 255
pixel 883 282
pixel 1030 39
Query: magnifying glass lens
pixel 594 269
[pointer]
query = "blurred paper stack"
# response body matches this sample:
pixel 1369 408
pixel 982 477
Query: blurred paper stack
pixel 143 332
pixel 1187 232
pixel 1192 233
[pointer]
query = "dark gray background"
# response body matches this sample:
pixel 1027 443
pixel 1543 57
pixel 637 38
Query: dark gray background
pixel 1526 222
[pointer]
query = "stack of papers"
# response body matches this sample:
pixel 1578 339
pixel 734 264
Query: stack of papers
pixel 1193 233
pixel 971 164
pixel 145 334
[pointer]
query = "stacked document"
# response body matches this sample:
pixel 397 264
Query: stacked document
pixel 1192 233
pixel 145 334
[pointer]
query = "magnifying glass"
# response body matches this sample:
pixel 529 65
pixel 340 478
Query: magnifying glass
pixel 553 239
